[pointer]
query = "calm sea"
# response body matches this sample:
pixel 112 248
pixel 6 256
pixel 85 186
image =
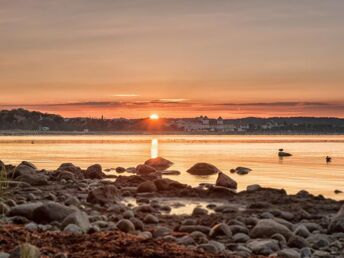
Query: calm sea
pixel 306 169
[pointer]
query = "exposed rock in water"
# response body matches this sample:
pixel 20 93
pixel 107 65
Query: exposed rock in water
pixel 70 167
pixel 94 172
pixel 242 170
pixel 225 181
pixel 171 172
pixel 159 163
pixel 120 169
pixel 203 169
pixel 103 195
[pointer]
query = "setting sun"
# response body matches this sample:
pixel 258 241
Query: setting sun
pixel 154 117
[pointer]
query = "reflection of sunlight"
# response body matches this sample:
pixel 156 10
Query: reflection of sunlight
pixel 154 148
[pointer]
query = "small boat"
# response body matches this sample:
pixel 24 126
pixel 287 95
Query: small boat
pixel 328 159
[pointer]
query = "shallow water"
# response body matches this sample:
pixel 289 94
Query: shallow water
pixel 306 169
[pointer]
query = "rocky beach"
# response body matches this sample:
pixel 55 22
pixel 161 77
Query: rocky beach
pixel 94 212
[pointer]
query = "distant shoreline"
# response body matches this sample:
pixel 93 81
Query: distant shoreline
pixel 78 133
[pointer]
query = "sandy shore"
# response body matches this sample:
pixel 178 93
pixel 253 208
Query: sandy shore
pixel 70 212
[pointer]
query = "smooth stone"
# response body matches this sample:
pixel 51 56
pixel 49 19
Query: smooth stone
pixel 51 211
pixel 120 169
pixel 263 246
pixel 302 231
pixel 33 180
pixel 94 172
pixel 125 225
pixel 32 226
pixel 103 195
pixel 128 214
pixel 161 232
pixel 78 218
pixel 212 246
pixel 297 242
pixel 253 188
pixel 288 253
pixel 150 219
pixel 242 170
pixel 192 228
pixel 220 229
pixel 25 250
pixel 137 223
pixel 265 228
pixel 240 238
pixel 74 229
pixel 26 210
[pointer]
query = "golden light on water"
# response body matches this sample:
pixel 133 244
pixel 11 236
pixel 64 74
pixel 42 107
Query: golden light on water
pixel 154 148
pixel 154 117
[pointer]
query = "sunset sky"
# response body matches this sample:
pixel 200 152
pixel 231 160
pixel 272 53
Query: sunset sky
pixel 179 58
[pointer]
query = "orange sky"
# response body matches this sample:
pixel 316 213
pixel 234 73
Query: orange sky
pixel 177 58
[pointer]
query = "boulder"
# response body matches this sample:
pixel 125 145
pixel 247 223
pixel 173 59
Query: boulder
pixel 25 210
pixel 212 247
pixel 23 169
pixel 150 219
pixel 125 225
pixel 171 172
pixel 74 229
pixel 103 194
pixel 32 179
pixel 147 187
pixel 265 228
pixel 78 218
pixel 66 175
pixel 220 229
pixel 337 222
pixel 94 172
pixel 225 181
pixel 70 167
pixel 263 246
pixel 203 169
pixel 159 163
pixel 199 211
pixel 51 211
pixel 288 253
pixel 253 188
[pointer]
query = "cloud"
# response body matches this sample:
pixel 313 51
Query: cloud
pixel 125 95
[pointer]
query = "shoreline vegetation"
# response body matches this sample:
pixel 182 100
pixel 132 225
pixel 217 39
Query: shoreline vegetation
pixel 74 212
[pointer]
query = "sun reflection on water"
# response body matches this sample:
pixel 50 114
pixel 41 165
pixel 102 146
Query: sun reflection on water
pixel 154 148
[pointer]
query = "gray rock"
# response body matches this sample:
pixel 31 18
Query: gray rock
pixel 24 210
pixel 203 169
pixel 137 223
pixel 32 226
pixel 322 254
pixel 150 219
pixel 268 227
pixel 302 231
pixel 125 225
pixel 305 252
pixel 161 232
pixel 74 229
pixel 337 222
pixel 51 211
pixel 297 242
pixel 78 218
pixel 34 180
pixel 103 195
pixel 145 235
pixel 318 241
pixel 72 201
pixel 128 214
pixel 199 237
pixel 288 253
pixel 220 229
pixel 192 228
pixel 225 181
pixel 263 246
pixel 23 169
pixel 240 238
pixel 212 246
